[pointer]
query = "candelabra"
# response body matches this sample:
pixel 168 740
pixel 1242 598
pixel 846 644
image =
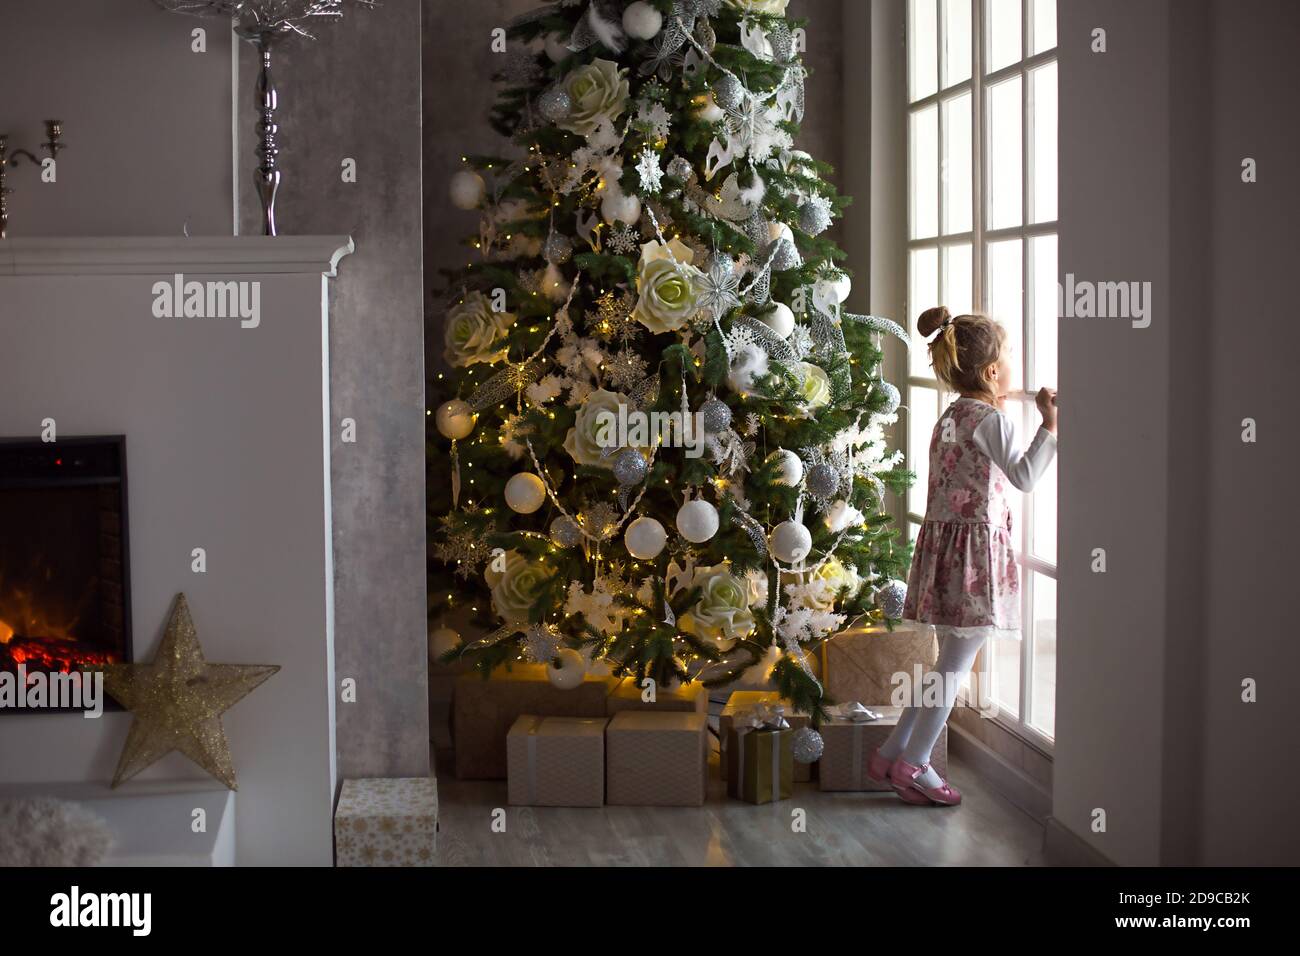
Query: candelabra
pixel 54 130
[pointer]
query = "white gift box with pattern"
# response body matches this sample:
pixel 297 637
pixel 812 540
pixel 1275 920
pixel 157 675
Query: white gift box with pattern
pixel 387 822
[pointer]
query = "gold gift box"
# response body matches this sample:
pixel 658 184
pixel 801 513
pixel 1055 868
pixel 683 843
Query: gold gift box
pixel 760 768
pixel 744 700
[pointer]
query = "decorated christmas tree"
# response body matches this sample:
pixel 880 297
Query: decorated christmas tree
pixel 661 446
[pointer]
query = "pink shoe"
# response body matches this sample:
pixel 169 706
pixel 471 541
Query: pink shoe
pixel 902 776
pixel 878 767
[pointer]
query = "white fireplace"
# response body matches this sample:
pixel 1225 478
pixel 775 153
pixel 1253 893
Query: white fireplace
pixel 222 395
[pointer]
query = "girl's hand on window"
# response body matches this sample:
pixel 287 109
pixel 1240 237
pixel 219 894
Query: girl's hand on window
pixel 1046 402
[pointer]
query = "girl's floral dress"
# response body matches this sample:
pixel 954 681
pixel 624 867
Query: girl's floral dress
pixel 964 574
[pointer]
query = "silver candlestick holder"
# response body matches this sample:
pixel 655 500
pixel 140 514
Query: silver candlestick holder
pixel 266 24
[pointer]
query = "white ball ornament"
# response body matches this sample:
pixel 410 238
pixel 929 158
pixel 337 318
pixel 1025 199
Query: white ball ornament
pixel 642 21
pixel 567 670
pixel 645 538
pixel 835 290
pixel 617 206
pixel 467 189
pixel 442 640
pixel 779 319
pixel 697 521
pixel 789 467
pixel 455 419
pixel 525 492
pixel 790 542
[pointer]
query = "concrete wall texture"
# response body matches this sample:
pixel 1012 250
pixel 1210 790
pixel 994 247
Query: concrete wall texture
pixel 354 93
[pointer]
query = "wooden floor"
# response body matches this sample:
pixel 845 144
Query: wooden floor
pixel 843 829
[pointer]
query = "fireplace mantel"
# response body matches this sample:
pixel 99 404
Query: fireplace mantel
pixel 150 255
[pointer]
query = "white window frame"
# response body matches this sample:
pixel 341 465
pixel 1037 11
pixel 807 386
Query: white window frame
pixel 979 238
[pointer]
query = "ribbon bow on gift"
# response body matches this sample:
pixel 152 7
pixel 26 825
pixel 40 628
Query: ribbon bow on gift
pixel 763 715
pixel 852 711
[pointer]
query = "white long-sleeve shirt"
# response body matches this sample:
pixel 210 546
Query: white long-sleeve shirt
pixel 996 437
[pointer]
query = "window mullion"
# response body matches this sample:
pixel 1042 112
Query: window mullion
pixel 978 256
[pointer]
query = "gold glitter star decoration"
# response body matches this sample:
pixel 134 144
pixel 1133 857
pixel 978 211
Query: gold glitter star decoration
pixel 177 699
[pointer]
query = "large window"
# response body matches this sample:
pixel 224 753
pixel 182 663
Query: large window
pixel 982 236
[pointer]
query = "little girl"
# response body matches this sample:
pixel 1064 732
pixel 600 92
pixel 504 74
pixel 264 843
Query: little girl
pixel 964 578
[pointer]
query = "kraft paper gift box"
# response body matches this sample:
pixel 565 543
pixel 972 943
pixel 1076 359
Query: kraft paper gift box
pixel 656 758
pixel 847 744
pixel 760 764
pixel 485 710
pixel 742 700
pixel 692 697
pixel 387 822
pixel 860 664
pixel 556 761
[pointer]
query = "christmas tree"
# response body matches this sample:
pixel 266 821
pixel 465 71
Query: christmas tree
pixel 661 446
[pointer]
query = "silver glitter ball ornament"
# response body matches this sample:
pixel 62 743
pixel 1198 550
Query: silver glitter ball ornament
pixel 565 532
pixel 823 480
pixel 558 249
pixel 722 263
pixel 679 167
pixel 814 218
pixel 715 415
pixel 891 597
pixel 728 92
pixel 555 104
pixel 807 745
pixel 892 397
pixel 787 256
pixel 629 467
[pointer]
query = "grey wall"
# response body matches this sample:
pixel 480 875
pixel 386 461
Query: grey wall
pixel 1114 467
pixel 1250 360
pixel 1150 723
pixel 355 93
pixel 146 120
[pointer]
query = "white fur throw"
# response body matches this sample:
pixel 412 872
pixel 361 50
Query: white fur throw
pixel 42 831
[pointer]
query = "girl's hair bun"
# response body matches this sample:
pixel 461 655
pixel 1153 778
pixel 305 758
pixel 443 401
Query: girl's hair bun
pixel 931 319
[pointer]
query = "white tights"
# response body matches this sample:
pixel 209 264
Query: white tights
pixel 919 727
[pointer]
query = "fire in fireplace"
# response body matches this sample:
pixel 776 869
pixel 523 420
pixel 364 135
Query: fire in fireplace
pixel 64 569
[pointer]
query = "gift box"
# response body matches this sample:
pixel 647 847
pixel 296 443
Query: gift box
pixel 556 761
pixel 387 822
pixel 742 700
pixel 656 758
pixel 485 710
pixel 628 695
pixel 760 764
pixel 847 744
pixel 860 664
